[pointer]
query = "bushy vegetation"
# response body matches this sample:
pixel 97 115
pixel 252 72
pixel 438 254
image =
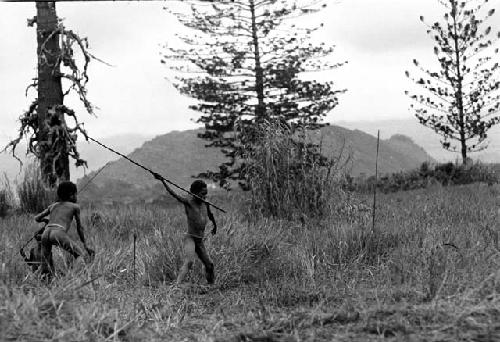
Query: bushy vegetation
pixel 34 195
pixel 428 174
pixel 433 260
pixel 289 177
pixel 6 197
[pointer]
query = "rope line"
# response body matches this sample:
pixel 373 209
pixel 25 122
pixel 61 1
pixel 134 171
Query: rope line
pixel 93 177
pixel 149 170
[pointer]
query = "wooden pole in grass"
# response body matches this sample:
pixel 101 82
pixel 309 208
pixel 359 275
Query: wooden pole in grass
pixel 135 239
pixel 375 185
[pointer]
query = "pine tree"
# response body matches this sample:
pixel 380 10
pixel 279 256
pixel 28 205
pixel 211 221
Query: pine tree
pixel 244 63
pixel 461 99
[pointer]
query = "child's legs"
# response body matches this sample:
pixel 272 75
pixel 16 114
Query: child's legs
pixel 205 259
pixel 36 257
pixel 60 238
pixel 47 264
pixel 189 255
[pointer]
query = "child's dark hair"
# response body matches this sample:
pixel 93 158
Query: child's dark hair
pixel 65 190
pixel 197 185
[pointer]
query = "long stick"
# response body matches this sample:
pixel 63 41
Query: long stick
pixel 145 168
pixel 376 183
pixel 27 242
pixel 135 238
pixel 82 189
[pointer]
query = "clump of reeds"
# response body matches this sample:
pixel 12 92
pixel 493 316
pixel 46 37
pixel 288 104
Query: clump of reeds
pixel 34 195
pixel 288 175
pixel 6 197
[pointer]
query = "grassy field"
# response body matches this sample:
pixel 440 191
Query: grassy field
pixel 430 271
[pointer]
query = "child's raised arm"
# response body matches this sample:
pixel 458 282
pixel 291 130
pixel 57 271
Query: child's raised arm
pixel 211 218
pixel 170 191
pixel 42 217
pixel 79 227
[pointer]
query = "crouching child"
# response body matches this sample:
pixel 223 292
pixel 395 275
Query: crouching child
pixel 58 217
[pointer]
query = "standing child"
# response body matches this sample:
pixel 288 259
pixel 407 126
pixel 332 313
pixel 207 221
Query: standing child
pixel 197 212
pixel 61 214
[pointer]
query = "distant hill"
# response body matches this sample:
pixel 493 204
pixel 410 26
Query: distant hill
pixel 180 155
pixel 426 138
pixel 95 155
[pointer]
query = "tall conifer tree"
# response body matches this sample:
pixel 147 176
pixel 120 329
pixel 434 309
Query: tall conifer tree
pixel 461 99
pixel 245 63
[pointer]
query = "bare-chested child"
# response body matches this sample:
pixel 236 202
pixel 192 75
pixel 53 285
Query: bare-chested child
pixel 60 215
pixel 197 213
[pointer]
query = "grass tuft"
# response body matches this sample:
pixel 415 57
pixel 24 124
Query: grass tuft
pixel 34 195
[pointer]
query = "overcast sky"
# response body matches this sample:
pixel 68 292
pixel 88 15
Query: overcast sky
pixel 379 38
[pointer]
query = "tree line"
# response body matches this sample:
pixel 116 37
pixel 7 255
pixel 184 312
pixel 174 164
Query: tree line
pixel 246 63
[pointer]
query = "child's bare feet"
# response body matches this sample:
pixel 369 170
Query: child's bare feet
pixel 210 276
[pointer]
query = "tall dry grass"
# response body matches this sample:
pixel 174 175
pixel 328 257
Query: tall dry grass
pixel 438 244
pixel 290 177
pixel 6 197
pixel 34 195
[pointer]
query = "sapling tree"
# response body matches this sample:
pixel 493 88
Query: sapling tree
pixel 45 125
pixel 461 99
pixel 246 63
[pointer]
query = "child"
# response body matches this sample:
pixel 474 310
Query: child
pixel 196 213
pixel 61 214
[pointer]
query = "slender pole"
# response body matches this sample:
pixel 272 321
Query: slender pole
pixel 376 183
pixel 82 189
pixel 27 242
pixel 135 239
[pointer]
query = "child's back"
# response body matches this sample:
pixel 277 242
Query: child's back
pixel 62 213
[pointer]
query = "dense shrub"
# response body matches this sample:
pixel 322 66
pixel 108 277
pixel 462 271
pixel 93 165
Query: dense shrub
pixel 289 177
pixel 33 194
pixel 6 198
pixel 427 174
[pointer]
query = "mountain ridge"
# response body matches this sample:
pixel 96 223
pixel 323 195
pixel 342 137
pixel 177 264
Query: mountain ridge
pixel 178 155
pixel 426 138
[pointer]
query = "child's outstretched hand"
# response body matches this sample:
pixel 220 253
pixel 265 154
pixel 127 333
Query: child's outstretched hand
pixel 157 176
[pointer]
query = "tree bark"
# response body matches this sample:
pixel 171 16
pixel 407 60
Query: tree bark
pixel 260 110
pixel 50 95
